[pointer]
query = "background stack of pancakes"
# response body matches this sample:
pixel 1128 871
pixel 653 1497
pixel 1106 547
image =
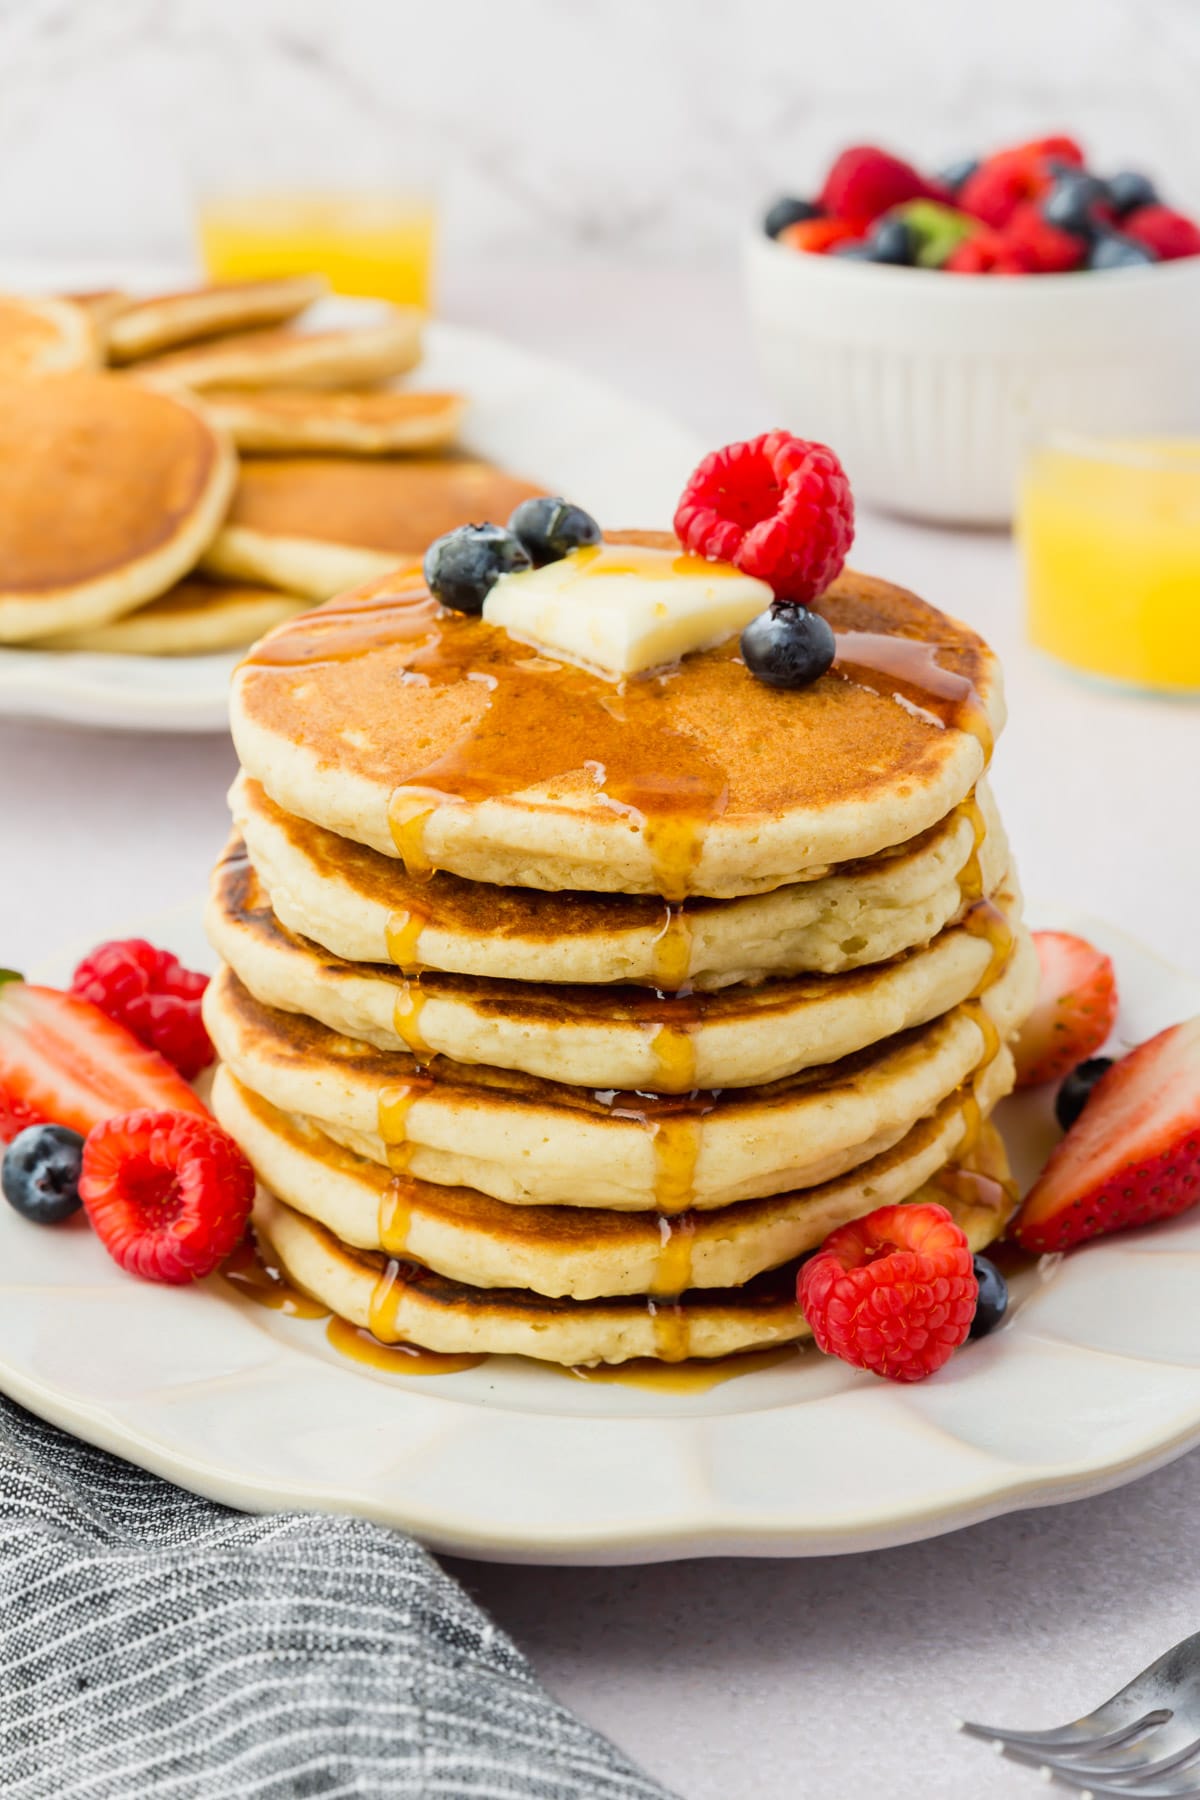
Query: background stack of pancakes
pixel 562 1016
pixel 179 473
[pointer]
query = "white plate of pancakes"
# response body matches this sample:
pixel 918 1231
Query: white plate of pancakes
pixel 1093 1380
pixel 305 519
pixel 560 1021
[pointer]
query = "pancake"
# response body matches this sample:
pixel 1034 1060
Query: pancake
pixel 44 337
pixel 523 1139
pixel 439 739
pixel 576 1251
pixel 367 908
pixel 195 617
pixel 621 1037
pixel 108 494
pixel 352 424
pixel 145 327
pixel 316 524
pixel 403 1302
pixel 352 356
pixel 101 306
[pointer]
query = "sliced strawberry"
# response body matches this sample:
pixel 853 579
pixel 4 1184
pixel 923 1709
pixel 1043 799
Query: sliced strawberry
pixel 1132 1156
pixel 62 1061
pixel 1074 1011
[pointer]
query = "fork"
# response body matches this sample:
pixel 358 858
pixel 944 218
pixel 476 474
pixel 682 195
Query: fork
pixel 1140 1745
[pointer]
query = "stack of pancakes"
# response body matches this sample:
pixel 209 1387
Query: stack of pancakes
pixel 179 473
pixel 563 1016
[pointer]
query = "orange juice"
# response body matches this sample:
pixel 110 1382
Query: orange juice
pixel 1110 532
pixel 374 244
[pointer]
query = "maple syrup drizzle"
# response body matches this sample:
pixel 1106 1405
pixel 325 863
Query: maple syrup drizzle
pixel 673 1265
pixel 970 876
pixel 908 669
pixel 403 936
pixel 395 1215
pixel 672 953
pixel 260 1282
pixel 672 1330
pixel 406 1019
pixel 395 1104
pixel 695 1376
pixel 673 1048
pixel 394 1359
pixel 985 920
pixel 971 1109
pixel 676 1153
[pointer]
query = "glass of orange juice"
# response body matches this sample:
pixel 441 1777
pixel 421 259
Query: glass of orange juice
pixel 1110 534
pixel 365 241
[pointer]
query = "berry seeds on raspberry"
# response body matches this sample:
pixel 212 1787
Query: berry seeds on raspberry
pixel 778 508
pixel 168 1194
pixel 893 1293
pixel 156 999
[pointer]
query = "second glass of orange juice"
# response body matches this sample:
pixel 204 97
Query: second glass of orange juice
pixel 370 243
pixel 1110 534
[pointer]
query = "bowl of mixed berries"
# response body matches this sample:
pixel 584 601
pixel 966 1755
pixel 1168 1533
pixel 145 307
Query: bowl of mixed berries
pixel 935 325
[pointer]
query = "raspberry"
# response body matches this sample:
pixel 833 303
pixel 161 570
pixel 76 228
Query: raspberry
pixel 153 996
pixel 818 236
pixel 1031 238
pixel 779 508
pixel 168 1194
pixel 894 1292
pixel 977 256
pixel 1168 233
pixel 866 181
pixel 999 185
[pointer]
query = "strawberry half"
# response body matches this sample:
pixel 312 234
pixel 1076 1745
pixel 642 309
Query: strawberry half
pixel 63 1062
pixel 1133 1155
pixel 1074 1010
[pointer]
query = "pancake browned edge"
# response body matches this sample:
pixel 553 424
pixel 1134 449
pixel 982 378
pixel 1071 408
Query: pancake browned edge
pixel 286 421
pixel 350 357
pixel 582 1252
pixel 147 326
pixel 401 1301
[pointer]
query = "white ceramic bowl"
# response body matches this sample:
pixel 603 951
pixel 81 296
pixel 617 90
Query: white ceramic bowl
pixel 929 386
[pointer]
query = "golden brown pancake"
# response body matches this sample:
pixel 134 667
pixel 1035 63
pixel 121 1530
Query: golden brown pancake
pixel 580 1251
pixel 437 738
pixel 44 337
pixel 369 909
pixel 312 523
pixel 101 306
pixel 194 618
pixel 349 357
pixel 608 1036
pixel 147 326
pixel 108 494
pixel 401 1300
pixel 289 420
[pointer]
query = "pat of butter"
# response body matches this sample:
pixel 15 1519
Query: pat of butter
pixel 624 608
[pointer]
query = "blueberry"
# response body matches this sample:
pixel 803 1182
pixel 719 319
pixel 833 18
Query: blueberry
pixel 788 212
pixel 853 250
pixel 1128 190
pixel 40 1173
pixel 992 1303
pixel 891 241
pixel 1076 1090
pixel 1113 250
pixel 549 528
pixel 1072 201
pixel 956 174
pixel 463 567
pixel 788 646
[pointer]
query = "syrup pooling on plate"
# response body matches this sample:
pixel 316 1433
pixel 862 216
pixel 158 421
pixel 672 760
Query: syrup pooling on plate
pixel 394 1359
pixel 694 1377
pixel 260 1282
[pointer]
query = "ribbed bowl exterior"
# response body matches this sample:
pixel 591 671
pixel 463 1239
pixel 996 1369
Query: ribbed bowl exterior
pixel 931 386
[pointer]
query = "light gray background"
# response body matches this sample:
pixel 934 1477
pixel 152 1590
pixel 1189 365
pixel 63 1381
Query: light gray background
pixel 597 161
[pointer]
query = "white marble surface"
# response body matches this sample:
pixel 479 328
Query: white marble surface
pixel 830 1679
pixel 647 128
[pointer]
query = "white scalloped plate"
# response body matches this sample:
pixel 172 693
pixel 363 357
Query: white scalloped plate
pixel 535 416
pixel 1094 1379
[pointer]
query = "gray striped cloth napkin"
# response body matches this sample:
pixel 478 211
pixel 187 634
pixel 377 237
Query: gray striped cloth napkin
pixel 152 1643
